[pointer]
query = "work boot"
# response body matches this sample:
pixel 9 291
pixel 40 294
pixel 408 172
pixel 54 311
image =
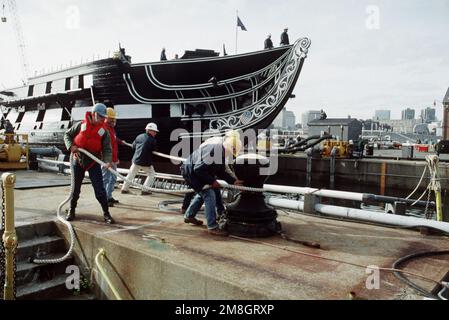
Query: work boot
pixel 194 221
pixel 218 232
pixel 124 192
pixel 108 219
pixel 71 215
pixel 115 201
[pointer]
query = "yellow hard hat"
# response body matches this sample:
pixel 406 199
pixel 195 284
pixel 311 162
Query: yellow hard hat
pixel 233 144
pixel 111 114
pixel 232 133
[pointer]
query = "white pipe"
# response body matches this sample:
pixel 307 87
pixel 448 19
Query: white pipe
pixel 286 203
pixel 371 216
pixel 287 189
pixel 340 194
pixel 119 170
pixel 318 192
pixel 67 164
pixel 363 215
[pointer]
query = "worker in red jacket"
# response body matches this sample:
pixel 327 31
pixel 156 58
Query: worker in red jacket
pixel 109 179
pixel 92 135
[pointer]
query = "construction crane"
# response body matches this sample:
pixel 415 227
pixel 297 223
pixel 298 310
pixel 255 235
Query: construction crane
pixel 17 27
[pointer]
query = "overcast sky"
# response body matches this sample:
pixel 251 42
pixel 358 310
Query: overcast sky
pixel 365 55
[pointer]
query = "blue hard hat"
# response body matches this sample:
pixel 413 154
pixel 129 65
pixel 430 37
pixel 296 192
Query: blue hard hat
pixel 101 109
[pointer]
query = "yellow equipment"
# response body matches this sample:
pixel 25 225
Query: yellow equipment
pixel 343 148
pixel 14 151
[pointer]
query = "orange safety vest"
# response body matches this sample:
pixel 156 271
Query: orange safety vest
pixel 90 137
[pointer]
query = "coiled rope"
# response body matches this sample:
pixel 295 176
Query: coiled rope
pixel 65 222
pixel 434 184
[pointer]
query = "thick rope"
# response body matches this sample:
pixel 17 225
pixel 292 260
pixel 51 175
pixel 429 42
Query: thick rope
pixel 419 183
pixel 65 222
pixel 142 187
pixel 158 190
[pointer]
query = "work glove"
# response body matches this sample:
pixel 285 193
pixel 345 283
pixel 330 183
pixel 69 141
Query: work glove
pixel 215 185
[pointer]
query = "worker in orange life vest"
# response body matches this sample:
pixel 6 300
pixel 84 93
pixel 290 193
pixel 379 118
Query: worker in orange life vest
pixel 92 135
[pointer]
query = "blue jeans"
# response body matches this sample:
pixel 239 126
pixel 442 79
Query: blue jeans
pixel 209 198
pixel 96 178
pixel 109 180
pixel 189 197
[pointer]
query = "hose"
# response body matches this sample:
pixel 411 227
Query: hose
pixel 65 222
pixel 404 279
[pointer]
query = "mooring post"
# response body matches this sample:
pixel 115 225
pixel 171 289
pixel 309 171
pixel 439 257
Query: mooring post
pixel 9 236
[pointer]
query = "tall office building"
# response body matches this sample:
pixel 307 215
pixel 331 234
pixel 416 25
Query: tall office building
pixel 382 115
pixel 289 120
pixel 428 115
pixel 285 120
pixel 408 114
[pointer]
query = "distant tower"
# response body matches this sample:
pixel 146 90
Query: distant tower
pixel 446 116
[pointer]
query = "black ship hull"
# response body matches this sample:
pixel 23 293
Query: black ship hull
pixel 185 97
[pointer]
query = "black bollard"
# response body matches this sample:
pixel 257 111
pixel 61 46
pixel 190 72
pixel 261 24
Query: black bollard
pixel 249 216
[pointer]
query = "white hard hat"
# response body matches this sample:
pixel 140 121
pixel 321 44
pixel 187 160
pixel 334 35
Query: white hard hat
pixel 152 127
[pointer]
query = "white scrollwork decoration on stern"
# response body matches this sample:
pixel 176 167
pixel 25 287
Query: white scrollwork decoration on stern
pixel 247 118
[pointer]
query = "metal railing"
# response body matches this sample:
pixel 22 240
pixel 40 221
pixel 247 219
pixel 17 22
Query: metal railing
pixel 10 241
pixel 101 254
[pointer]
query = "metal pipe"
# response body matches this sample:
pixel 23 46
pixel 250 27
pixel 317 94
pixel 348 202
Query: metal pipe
pixel 371 216
pixel 101 253
pixel 55 162
pixel 363 215
pixel 344 195
pixel 286 203
pixel 367 197
pixel 318 192
pixel 10 240
pixel 46 152
pixel 302 147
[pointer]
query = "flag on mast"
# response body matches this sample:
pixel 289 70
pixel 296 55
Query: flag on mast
pixel 240 24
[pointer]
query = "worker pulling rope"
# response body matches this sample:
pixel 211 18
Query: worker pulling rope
pixel 142 187
pixel 432 162
pixel 434 185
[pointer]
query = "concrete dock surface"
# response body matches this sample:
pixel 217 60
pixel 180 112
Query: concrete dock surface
pixel 152 254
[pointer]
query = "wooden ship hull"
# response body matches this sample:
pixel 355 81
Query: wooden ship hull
pixel 206 95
